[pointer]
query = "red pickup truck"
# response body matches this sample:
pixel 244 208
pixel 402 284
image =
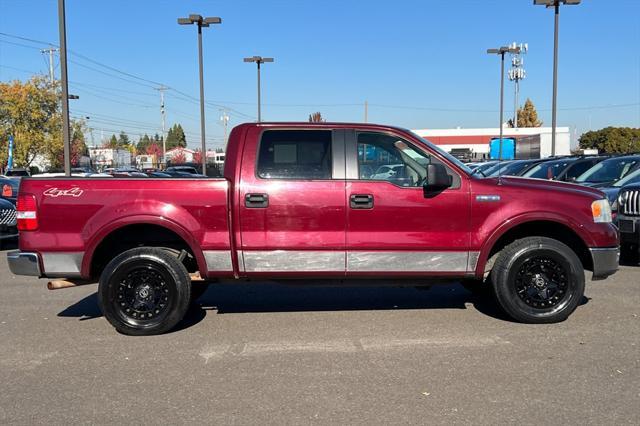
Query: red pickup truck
pixel 301 201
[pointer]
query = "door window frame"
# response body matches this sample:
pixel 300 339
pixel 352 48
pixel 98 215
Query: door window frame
pixel 352 166
pixel 338 157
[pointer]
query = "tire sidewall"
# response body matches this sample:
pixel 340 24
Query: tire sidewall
pixel 177 280
pixel 505 287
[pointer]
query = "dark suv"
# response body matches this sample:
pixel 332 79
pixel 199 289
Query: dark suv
pixel 629 217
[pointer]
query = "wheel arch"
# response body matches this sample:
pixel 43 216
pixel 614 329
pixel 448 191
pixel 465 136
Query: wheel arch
pixel 532 226
pixel 138 230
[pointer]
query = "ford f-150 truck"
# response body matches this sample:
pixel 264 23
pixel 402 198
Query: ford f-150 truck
pixel 301 202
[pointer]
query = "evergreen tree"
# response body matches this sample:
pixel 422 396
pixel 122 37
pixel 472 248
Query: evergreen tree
pixel 123 140
pixel 527 116
pixel 112 143
pixel 619 140
pixel 143 143
pixel 176 137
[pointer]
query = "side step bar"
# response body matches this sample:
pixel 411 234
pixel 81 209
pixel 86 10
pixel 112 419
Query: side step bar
pixel 62 283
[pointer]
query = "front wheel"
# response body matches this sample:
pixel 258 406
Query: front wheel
pixel 144 291
pixel 538 280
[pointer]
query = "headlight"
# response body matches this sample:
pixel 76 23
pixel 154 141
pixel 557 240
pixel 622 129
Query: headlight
pixel 601 211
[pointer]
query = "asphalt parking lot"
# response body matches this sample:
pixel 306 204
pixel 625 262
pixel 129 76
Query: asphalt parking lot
pixel 250 354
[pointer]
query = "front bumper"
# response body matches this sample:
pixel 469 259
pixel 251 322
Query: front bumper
pixel 605 261
pixel 23 263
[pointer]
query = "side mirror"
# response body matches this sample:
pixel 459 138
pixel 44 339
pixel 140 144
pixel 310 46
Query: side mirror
pixel 437 178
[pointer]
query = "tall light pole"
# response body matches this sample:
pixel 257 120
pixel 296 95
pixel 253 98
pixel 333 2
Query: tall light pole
pixel 201 22
pixel 66 137
pixel 556 5
pixel 258 60
pixel 501 51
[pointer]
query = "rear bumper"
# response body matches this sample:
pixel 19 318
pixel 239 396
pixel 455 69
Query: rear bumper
pixel 23 263
pixel 605 261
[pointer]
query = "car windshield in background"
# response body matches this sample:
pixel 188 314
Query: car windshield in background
pixel 609 170
pixel 633 177
pixel 511 168
pixel 548 169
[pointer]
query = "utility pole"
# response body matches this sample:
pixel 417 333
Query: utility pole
pixel 161 89
pixel 50 51
pixel 366 111
pixel 517 73
pixel 225 122
pixel 66 137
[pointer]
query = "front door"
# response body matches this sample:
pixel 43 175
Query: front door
pixel 393 228
pixel 292 205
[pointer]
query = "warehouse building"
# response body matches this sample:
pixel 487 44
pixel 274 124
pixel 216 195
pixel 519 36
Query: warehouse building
pixel 474 144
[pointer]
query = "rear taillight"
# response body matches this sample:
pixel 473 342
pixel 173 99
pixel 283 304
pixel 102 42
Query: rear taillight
pixel 27 212
pixel 7 191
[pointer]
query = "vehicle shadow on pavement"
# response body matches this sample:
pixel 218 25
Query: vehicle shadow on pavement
pixel 87 308
pixel 261 298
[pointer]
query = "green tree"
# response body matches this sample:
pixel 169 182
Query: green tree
pixel 112 142
pixel 143 143
pixel 30 113
pixel 176 137
pixel 527 116
pixel 612 140
pixel 123 140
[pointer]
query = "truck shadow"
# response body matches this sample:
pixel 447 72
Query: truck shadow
pixel 262 298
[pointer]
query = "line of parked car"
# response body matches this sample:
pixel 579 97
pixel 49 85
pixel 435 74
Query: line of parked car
pixel 617 176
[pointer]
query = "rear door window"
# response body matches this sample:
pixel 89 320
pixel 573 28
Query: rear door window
pixel 295 154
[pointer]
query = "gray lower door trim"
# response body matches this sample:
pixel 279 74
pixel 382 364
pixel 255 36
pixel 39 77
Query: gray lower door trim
pixel 407 261
pixel 218 260
pixel 357 261
pixel 292 261
pixel 62 264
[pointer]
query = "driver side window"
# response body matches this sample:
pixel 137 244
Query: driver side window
pixel 388 158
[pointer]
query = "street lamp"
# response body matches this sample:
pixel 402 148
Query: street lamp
pixel 501 51
pixel 258 60
pixel 556 5
pixel 201 22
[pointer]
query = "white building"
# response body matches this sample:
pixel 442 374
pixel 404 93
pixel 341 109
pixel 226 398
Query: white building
pixel 188 154
pixel 108 157
pixel 477 140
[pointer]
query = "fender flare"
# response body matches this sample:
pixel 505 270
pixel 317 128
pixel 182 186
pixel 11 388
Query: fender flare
pixel 119 223
pixel 523 218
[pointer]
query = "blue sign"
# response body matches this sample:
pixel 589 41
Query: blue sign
pixel 10 159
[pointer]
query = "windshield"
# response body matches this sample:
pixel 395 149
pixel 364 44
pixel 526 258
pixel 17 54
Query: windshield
pixel 547 170
pixel 445 154
pixel 608 170
pixel 633 177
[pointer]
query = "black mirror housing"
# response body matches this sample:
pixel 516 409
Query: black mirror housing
pixel 437 178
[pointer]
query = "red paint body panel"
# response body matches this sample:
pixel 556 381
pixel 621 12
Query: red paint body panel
pixel 210 214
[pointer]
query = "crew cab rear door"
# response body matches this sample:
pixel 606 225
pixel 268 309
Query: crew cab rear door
pixel 393 228
pixel 292 202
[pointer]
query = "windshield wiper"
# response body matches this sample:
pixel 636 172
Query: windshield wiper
pixel 478 171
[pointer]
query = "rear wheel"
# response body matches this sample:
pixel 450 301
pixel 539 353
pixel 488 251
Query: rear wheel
pixel 144 291
pixel 538 280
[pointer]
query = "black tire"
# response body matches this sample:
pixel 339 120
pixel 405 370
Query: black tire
pixel 538 280
pixel 144 291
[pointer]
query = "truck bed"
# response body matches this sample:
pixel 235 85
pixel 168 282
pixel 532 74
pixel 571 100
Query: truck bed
pixel 76 214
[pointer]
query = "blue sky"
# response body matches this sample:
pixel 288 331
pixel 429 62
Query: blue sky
pixel 419 64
